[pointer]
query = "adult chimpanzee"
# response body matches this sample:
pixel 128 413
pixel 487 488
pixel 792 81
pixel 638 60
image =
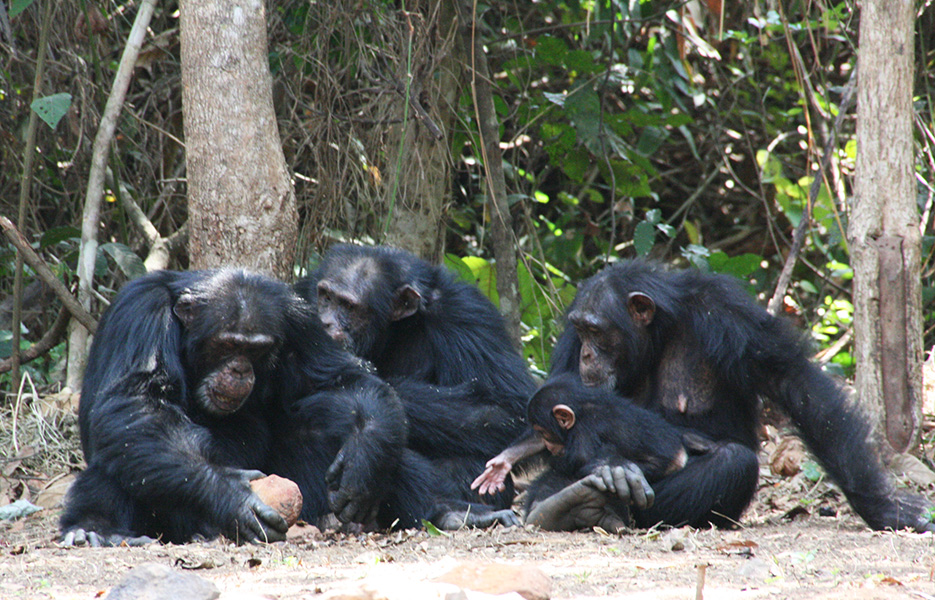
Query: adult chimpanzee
pixel 185 376
pixel 695 348
pixel 443 347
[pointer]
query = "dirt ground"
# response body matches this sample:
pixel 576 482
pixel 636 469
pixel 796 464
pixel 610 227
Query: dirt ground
pixel 770 556
pixel 784 547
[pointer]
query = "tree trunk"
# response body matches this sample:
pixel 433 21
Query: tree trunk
pixel 884 236
pixel 501 220
pixel 416 197
pixel 240 198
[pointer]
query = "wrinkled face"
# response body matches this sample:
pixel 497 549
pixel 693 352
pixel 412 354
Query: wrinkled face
pixel 614 330
pixel 359 300
pixel 601 348
pixel 234 328
pixel 227 386
pixel 344 314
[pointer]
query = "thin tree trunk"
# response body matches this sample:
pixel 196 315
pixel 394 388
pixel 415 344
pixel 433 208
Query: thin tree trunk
pixel 501 220
pixel 91 216
pixel 884 231
pixel 421 165
pixel 240 198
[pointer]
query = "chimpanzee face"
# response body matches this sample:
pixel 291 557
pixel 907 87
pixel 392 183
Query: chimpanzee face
pixel 554 445
pixel 233 329
pixel 344 314
pixel 358 301
pixel 601 345
pixel 613 342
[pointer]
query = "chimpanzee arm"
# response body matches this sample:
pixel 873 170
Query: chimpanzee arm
pixel 839 436
pixel 157 457
pixel 775 361
pixel 458 420
pixel 497 468
pixel 348 425
pixel 360 475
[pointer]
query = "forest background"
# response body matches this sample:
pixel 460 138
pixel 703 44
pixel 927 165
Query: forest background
pixel 688 131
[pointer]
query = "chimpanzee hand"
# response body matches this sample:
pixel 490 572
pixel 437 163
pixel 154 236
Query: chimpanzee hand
pixel 627 482
pixel 351 492
pixel 253 520
pixel 493 479
pixel 581 505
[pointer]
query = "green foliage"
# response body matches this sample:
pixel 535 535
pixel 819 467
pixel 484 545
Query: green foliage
pixel 18 6
pixel 812 471
pixel 51 109
pixel 544 293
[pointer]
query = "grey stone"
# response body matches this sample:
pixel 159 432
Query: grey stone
pixel 159 582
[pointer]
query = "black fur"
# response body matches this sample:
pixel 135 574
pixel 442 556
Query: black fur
pixel 704 361
pixel 462 383
pixel 162 464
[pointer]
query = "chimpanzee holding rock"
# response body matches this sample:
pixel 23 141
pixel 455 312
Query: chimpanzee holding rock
pixel 195 383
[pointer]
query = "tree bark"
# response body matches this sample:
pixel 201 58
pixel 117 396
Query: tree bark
pixel 240 198
pixel 883 231
pixel 421 162
pixel 501 220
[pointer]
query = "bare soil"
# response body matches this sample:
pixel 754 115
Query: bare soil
pixel 783 548
pixel 768 557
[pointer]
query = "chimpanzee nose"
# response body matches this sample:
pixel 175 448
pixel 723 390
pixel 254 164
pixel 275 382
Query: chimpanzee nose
pixel 241 367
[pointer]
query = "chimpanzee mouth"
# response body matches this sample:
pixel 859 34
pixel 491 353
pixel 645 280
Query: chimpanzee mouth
pixel 220 404
pixel 226 404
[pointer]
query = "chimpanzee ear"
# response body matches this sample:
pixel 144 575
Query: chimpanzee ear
pixel 564 415
pixel 642 308
pixel 406 302
pixel 185 308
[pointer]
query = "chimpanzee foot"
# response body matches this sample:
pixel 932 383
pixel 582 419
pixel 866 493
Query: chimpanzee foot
pixel 82 537
pixel 581 505
pixel 457 519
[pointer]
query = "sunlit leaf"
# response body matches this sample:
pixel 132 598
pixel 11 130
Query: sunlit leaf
pixel 126 259
pixel 51 109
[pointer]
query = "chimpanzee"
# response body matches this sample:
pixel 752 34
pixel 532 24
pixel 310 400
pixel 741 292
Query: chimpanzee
pixel 606 443
pixel 586 427
pixel 694 347
pixel 186 377
pixel 444 348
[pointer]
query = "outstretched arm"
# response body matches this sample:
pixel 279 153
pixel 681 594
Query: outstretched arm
pixel 493 478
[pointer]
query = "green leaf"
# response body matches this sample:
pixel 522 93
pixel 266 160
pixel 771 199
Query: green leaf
pixel 741 266
pixel 644 236
pixel 551 50
pixel 18 6
pixel 126 259
pixel 59 234
pixel 584 110
pixel 432 530
pixel 52 108
pixel 812 471
pixel 484 276
pixel 575 165
pixel 460 268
